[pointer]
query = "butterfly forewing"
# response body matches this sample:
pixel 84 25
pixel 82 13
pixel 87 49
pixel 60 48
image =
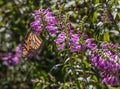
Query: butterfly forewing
pixel 26 45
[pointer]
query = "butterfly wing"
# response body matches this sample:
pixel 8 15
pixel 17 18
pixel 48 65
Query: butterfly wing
pixel 32 42
pixel 36 42
pixel 26 45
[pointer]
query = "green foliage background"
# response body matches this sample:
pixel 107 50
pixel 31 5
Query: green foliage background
pixel 51 71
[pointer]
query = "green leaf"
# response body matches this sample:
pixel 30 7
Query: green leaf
pixel 94 18
pixel 119 15
pixel 116 2
pixel 111 2
pixel 110 87
pixel 37 87
pixel 1 2
pixel 106 37
pixel 96 1
pixel 82 22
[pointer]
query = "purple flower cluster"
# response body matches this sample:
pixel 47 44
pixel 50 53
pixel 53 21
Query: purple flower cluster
pixel 37 24
pixel 72 39
pixel 51 21
pixel 107 16
pixel 108 62
pixel 44 18
pixel 74 42
pixel 61 40
pixel 90 44
pixel 104 58
pixel 11 58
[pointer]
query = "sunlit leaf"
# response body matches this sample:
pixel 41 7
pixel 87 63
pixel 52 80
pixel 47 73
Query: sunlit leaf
pixel 106 37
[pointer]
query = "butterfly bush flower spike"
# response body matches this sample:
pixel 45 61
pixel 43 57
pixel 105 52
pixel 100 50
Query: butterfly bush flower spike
pixel 51 21
pixel 12 58
pixel 60 40
pixel 74 42
pixel 90 44
pixel 37 25
pixel 108 62
pixel 106 17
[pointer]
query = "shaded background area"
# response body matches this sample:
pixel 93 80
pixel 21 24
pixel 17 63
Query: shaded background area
pixel 40 71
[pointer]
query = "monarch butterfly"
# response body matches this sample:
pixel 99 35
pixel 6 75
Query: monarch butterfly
pixel 32 42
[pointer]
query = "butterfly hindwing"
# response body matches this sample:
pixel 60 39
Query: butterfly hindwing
pixel 35 42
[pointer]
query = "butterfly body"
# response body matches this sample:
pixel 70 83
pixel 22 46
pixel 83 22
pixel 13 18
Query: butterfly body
pixel 31 43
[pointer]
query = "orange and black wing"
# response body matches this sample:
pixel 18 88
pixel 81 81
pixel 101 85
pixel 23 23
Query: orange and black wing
pixel 32 42
pixel 26 45
pixel 35 42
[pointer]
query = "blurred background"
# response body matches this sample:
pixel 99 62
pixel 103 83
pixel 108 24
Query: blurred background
pixel 44 71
